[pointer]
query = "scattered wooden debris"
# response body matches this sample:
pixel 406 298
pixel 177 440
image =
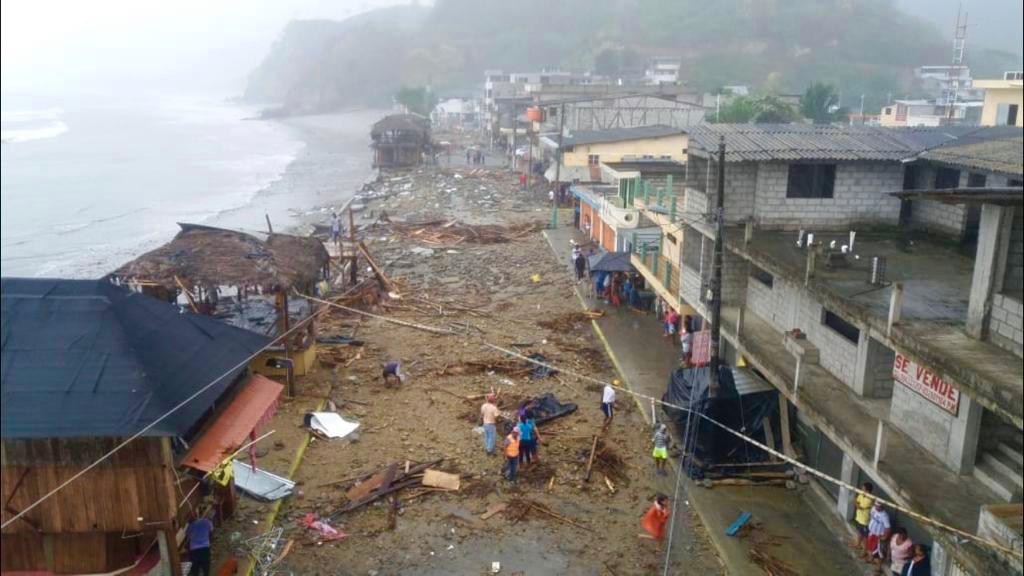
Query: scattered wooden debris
pixel 437 479
pixel 523 506
pixel 382 483
pixel 494 509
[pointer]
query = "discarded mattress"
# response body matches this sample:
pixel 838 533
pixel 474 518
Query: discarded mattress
pixel 261 484
pixel 547 407
pixel 330 424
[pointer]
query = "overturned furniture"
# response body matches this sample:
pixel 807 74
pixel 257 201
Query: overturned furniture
pixel 400 140
pixel 243 280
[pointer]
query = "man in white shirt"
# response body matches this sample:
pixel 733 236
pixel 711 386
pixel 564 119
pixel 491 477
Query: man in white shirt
pixel 608 402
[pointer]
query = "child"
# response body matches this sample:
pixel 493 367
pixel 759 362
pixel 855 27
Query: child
pixel 511 455
pixel 660 449
pixel 655 519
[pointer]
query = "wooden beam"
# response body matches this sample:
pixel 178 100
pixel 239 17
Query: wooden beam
pixel 590 461
pixel 382 278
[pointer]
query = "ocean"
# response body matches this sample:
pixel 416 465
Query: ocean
pixel 88 186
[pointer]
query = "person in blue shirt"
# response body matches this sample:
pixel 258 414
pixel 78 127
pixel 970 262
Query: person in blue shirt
pixel 528 438
pixel 199 531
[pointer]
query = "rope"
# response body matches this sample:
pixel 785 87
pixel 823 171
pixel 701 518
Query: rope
pixel 161 418
pixel 699 414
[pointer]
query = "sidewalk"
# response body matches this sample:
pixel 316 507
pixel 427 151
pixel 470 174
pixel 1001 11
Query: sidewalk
pixel 644 360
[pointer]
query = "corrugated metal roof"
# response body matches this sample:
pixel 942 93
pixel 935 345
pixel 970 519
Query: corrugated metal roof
pixel 1005 155
pixel 793 142
pixel 619 134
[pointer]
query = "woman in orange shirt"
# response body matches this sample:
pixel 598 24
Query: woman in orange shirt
pixel 655 518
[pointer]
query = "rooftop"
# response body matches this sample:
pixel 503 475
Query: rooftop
pixel 404 122
pixel 86 358
pixel 648 166
pixel 620 135
pixel 788 142
pixel 1003 155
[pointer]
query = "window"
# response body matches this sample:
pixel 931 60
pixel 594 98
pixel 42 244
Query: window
pixel 593 160
pixel 888 111
pixel 762 276
pixel 671 238
pixel 1006 114
pixel 811 181
pixel 975 180
pixel 911 177
pixel 947 178
pixel 842 327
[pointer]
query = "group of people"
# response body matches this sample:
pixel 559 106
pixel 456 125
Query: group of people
pixel 673 324
pixel 521 441
pixel 475 156
pixel 879 542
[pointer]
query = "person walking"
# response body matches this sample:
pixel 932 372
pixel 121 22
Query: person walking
pixel 901 550
pixel 199 530
pixel 528 438
pixel 608 403
pixel 660 440
pixel 489 417
pixel 655 518
pixel 511 455
pixel 580 262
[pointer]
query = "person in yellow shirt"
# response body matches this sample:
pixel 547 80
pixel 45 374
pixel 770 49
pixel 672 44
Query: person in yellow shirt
pixel 862 515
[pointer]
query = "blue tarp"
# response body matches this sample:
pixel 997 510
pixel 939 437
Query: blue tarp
pixel 86 358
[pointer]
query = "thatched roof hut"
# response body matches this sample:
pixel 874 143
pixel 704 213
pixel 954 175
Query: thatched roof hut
pixel 400 140
pixel 209 257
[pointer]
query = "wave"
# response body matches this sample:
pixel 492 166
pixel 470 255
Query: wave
pixel 16 135
pixel 31 115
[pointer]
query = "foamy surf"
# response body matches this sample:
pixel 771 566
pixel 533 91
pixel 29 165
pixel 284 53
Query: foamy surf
pixel 27 125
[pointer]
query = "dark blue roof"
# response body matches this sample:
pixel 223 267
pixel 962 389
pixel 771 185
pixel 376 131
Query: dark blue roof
pixel 86 358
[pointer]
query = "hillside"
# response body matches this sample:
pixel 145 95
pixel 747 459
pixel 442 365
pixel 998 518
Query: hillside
pixel 863 46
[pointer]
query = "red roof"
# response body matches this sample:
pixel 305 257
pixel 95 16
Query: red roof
pixel 249 410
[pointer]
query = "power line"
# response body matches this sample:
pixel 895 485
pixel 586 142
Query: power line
pixel 698 414
pixel 160 418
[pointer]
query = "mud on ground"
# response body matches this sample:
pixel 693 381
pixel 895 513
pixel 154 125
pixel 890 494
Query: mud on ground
pixel 513 294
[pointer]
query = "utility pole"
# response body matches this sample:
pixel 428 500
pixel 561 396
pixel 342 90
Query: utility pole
pixel 515 133
pixel 558 166
pixel 716 272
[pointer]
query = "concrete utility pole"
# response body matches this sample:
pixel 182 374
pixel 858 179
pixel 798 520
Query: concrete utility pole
pixel 515 133
pixel 558 166
pixel 716 272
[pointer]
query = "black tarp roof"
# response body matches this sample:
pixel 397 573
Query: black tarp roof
pixel 610 262
pixel 86 358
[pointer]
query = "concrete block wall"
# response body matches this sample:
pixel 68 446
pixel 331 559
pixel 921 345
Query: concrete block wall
pixel 1006 324
pixel 1013 277
pixel 740 183
pixel 952 439
pixel 938 217
pixel 787 306
pixel 860 196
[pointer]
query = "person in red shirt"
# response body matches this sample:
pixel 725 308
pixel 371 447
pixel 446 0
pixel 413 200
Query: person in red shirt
pixel 655 518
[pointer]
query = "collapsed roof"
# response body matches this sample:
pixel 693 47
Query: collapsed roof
pixel 212 257
pixel 87 358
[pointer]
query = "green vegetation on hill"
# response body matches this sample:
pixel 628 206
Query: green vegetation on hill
pixel 775 46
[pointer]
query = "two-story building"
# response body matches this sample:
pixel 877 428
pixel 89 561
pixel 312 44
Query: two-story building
pixel 852 283
pixel 1004 99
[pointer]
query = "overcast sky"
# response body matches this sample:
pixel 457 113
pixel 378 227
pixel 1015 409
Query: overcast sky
pixel 64 45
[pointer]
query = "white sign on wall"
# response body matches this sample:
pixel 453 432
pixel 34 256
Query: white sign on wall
pixel 927 383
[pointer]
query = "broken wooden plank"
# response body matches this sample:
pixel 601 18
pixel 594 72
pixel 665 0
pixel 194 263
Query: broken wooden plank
pixel 494 509
pixel 590 461
pixel 382 278
pixel 374 482
pixel 439 479
pixel 557 516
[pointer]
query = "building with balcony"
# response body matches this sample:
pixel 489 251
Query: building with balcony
pixel 873 277
pixel 1003 100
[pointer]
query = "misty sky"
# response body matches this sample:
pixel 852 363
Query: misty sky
pixel 61 46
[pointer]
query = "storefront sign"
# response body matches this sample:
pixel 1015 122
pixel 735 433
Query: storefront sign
pixel 926 383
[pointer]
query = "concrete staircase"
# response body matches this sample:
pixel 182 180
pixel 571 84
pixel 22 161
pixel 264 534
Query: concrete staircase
pixel 1002 469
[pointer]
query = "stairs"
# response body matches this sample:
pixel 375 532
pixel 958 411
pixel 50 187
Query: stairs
pixel 1002 469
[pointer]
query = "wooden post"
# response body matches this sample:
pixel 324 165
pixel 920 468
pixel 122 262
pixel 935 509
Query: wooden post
pixel 748 231
pixel 769 437
pixel 590 461
pixel 170 559
pixel 353 272
pixel 270 229
pixel 796 378
pixel 787 441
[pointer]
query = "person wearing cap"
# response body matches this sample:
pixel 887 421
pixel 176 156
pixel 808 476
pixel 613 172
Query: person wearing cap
pixel 608 402
pixel 660 440
pixel 489 417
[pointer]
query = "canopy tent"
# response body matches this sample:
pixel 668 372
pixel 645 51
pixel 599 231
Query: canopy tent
pixel 610 262
pixel 740 409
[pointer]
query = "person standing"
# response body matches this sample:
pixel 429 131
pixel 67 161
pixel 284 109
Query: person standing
pixel 901 550
pixel 199 530
pixel 581 266
pixel 879 531
pixel 608 403
pixel 660 439
pixel 686 344
pixel 862 515
pixel 512 455
pixel 655 518
pixel 489 416
pixel 335 228
pixel 919 564
pixel 528 438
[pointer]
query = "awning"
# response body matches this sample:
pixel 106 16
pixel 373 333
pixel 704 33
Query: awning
pixel 248 411
pixel 611 262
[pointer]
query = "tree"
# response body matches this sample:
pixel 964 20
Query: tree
pixel 418 100
pixel 820 104
pixel 767 109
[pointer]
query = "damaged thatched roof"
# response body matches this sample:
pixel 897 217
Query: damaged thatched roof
pixel 211 257
pixel 401 122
